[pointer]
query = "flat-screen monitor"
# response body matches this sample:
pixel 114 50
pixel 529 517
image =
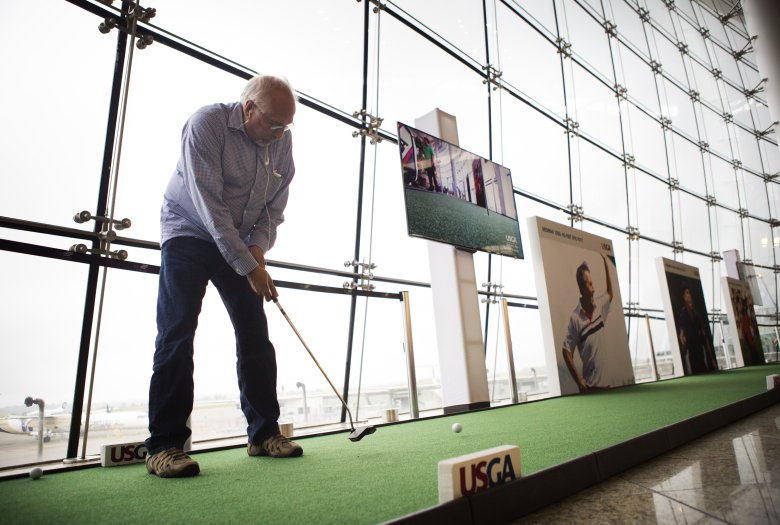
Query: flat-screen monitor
pixel 456 197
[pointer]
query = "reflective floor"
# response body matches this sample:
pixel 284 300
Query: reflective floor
pixel 729 476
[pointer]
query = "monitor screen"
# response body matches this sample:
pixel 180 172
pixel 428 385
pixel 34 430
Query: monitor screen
pixel 456 197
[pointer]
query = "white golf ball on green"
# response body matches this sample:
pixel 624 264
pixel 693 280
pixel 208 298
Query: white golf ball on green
pixel 457 427
pixel 36 473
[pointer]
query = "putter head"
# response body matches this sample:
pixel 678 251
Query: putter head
pixel 360 433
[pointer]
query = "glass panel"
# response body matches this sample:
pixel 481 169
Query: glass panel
pixel 692 37
pixel 755 195
pixel 313 314
pixel 69 165
pixel 686 10
pixel 602 186
pixel 647 280
pixel 748 150
pixel 725 62
pixel 522 50
pixel 689 167
pixel 669 57
pixel 463 25
pixel 660 15
pixel 647 142
pixel 379 363
pixel 724 181
pixel 629 24
pixel 389 221
pixel 639 79
pixel 695 223
pixel 332 68
pixel 727 234
pixel 654 207
pixel 588 39
pixel 716 132
pixel 120 400
pixel 448 85
pixel 537 154
pixel 705 84
pixel 528 351
pixel 595 109
pixel 711 23
pixel 40 337
pixel 763 241
pixel 678 107
pixel 543 11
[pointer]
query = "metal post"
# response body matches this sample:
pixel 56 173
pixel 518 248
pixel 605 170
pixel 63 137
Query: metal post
pixel 510 360
pixel 652 348
pixel 414 410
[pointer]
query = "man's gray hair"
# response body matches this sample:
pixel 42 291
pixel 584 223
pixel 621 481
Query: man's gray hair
pixel 260 87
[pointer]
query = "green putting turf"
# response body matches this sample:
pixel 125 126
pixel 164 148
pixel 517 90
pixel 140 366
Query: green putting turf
pixel 386 475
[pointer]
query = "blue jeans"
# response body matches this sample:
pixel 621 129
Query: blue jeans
pixel 188 264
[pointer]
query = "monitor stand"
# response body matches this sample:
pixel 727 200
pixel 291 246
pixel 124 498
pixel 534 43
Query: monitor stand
pixel 464 383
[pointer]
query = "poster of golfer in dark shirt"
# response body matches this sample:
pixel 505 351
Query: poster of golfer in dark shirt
pixel 686 316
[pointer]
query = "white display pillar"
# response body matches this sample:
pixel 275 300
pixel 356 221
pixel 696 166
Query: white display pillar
pixel 456 305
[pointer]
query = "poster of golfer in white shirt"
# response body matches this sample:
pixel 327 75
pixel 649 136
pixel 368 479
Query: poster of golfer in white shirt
pixel 583 326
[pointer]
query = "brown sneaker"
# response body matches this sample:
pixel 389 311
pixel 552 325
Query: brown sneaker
pixel 172 463
pixel 276 446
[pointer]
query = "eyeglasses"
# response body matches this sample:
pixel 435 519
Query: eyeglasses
pixel 276 126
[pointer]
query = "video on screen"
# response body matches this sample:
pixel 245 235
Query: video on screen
pixel 456 197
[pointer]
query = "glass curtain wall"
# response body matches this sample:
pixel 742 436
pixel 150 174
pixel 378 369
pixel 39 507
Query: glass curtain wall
pixel 642 121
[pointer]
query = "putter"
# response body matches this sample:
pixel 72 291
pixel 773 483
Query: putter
pixel 355 434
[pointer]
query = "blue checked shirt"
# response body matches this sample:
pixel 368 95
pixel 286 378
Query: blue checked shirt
pixel 222 190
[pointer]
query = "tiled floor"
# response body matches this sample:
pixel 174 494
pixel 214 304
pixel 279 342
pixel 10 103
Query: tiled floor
pixel 729 476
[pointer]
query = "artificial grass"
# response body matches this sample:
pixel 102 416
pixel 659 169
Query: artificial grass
pixel 386 475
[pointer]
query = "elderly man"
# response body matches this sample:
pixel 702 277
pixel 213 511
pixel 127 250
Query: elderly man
pixel 219 217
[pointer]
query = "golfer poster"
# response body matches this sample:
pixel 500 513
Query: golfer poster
pixel 690 335
pixel 583 326
pixel 742 322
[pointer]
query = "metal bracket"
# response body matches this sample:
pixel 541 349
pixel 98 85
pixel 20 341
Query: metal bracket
pixel 492 297
pixel 633 233
pixel 576 211
pixel 711 200
pixel 744 214
pixel 644 14
pixel 564 47
pixel 373 123
pixel 107 235
pixel 704 146
pixel 621 92
pixel 728 117
pixel 682 47
pixel 674 184
pixel 717 73
pixel 365 276
pixel 493 76
pixel 695 95
pixel 666 123
pixel 629 161
pixel 736 163
pixel 134 14
pixel 677 247
pixel 610 28
pixel 655 66
pixel 715 257
pixel 572 126
pixel 704 32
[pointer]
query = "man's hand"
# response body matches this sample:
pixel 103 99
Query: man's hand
pixel 262 284
pixel 259 280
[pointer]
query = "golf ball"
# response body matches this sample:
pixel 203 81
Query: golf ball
pixel 36 473
pixel 457 427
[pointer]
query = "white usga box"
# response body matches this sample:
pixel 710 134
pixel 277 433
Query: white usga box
pixel 122 454
pixel 772 381
pixel 478 471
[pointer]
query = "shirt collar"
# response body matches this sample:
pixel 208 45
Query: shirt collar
pixel 236 117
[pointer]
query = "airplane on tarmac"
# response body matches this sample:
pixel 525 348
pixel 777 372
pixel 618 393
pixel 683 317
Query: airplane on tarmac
pixel 56 423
